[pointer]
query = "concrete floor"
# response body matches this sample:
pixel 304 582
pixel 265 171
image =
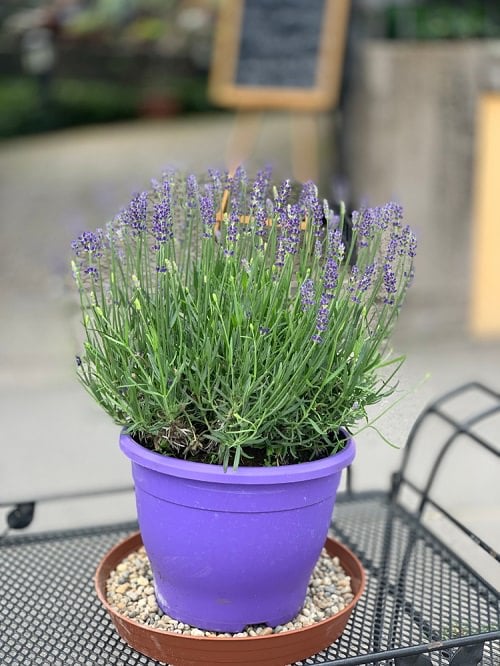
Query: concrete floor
pixel 54 439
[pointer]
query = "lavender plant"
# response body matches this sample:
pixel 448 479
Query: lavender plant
pixel 226 320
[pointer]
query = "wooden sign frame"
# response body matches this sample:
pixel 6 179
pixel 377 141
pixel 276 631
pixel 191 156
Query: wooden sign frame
pixel 323 95
pixel 485 301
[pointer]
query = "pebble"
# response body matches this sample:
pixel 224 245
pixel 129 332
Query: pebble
pixel 130 591
pixel 121 589
pixel 197 632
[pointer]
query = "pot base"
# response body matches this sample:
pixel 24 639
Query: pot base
pixel 270 650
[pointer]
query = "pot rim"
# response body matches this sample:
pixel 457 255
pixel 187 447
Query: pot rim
pixel 243 475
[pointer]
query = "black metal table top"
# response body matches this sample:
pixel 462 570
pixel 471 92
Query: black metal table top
pixel 422 605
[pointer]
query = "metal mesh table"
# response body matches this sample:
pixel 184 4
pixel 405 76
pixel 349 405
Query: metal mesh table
pixel 422 606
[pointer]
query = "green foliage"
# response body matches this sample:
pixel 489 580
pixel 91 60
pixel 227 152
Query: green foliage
pixel 250 340
pixel 26 108
pixel 94 101
pixel 19 106
pixel 444 20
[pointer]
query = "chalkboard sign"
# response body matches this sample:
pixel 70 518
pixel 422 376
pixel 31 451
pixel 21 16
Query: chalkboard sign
pixel 279 54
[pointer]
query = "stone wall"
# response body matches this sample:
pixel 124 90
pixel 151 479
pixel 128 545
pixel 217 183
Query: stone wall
pixel 409 133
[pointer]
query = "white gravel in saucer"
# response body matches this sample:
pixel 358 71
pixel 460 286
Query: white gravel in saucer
pixel 130 591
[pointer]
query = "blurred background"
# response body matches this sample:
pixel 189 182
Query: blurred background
pixel 99 96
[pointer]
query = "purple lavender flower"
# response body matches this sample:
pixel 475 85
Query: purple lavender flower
pixel 281 198
pixel 240 175
pixel 290 229
pixel 289 224
pixel 279 259
pixel 392 248
pixel 330 274
pixel 226 180
pixel 391 214
pixel 366 280
pixel 162 218
pixel 401 244
pixel 259 189
pixel 325 298
pixel 207 211
pixel 280 208
pixel 322 320
pixel 260 221
pixel 307 294
pixel 88 247
pixel 235 204
pixel 322 317
pixel 258 201
pixel 232 229
pixel 370 221
pixel 408 242
pixel 89 243
pixel 218 181
pixel 92 272
pixel 390 283
pixel 264 330
pixel 353 281
pixel 136 214
pixel 216 178
pixel 192 194
pixel 336 247
pixel 318 248
pixel 310 202
pixel 365 223
pixel 233 182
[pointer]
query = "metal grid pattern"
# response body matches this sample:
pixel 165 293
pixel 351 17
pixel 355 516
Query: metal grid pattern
pixel 417 593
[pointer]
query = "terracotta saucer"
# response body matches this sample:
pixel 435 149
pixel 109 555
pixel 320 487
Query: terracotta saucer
pixel 272 650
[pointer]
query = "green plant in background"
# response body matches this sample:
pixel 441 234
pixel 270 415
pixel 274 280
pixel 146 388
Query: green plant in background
pixel 78 102
pixel 444 20
pixel 141 58
pixel 70 102
pixel 227 321
pixel 19 106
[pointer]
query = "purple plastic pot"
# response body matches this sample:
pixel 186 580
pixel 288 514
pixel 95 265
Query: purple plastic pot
pixel 228 549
